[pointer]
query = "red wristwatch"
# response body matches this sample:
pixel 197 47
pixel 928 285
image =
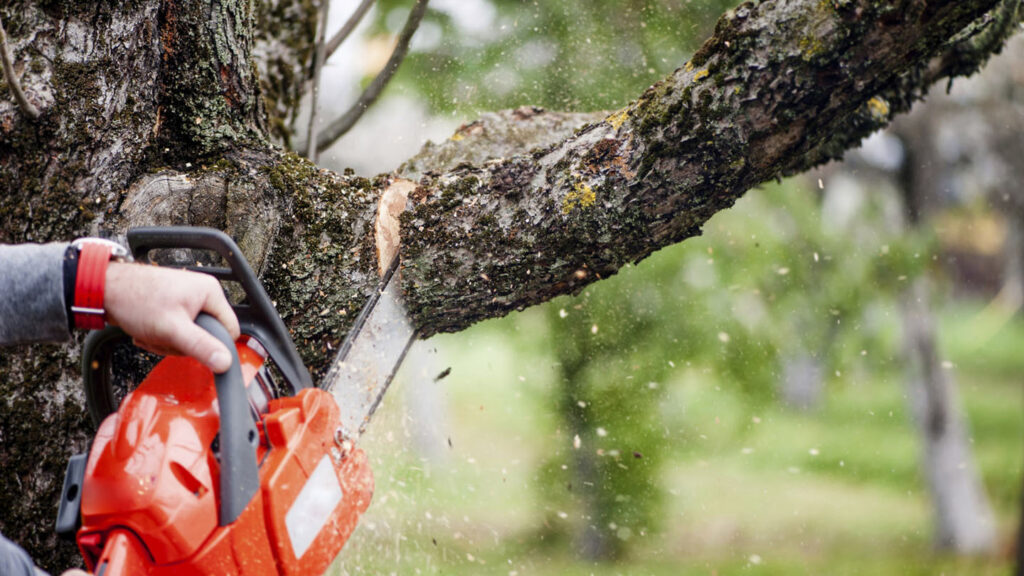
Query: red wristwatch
pixel 90 280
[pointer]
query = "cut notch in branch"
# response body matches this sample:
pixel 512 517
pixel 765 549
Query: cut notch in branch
pixel 387 226
pixel 342 125
pixel 12 79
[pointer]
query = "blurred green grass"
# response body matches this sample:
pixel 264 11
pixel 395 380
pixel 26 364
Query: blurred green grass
pixel 752 489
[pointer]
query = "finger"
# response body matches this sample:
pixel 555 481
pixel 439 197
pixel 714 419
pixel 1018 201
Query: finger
pixel 191 340
pixel 216 305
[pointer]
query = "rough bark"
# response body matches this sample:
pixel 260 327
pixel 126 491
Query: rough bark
pixel 152 112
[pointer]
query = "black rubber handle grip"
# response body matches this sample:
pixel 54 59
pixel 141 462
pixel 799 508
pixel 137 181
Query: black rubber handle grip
pixel 239 473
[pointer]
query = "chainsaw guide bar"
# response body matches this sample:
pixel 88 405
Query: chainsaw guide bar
pixel 372 351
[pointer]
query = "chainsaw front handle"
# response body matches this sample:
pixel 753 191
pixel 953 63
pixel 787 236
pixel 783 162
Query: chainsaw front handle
pixel 256 315
pixel 97 358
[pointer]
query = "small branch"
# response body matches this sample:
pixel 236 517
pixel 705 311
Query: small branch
pixel 985 38
pixel 319 58
pixel 339 127
pixel 350 25
pixel 12 79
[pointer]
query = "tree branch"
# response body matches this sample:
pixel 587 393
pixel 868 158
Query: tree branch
pixel 339 127
pixel 778 89
pixel 319 58
pixel 12 78
pixel 497 135
pixel 350 25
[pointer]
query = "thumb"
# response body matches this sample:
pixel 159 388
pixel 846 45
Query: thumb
pixel 193 341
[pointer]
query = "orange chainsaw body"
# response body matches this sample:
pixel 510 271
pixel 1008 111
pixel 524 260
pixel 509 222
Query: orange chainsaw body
pixel 149 502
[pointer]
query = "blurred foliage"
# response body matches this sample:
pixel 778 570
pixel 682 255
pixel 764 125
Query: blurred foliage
pixel 735 483
pixel 603 473
pixel 483 55
pixel 767 282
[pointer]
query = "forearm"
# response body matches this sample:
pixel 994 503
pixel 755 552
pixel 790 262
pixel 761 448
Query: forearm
pixel 14 561
pixel 32 307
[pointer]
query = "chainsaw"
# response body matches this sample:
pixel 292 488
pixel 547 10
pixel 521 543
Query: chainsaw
pixel 250 472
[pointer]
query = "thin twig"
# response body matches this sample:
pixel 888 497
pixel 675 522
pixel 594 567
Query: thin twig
pixel 339 127
pixel 319 58
pixel 12 79
pixel 349 26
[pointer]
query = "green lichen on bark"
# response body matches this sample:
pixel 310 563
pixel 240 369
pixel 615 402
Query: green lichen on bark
pixel 323 265
pixel 483 242
pixel 209 93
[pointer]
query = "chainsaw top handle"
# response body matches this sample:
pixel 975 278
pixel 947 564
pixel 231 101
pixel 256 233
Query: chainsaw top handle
pixel 239 473
pixel 238 437
pixel 256 315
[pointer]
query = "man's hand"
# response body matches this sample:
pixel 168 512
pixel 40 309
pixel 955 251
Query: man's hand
pixel 157 307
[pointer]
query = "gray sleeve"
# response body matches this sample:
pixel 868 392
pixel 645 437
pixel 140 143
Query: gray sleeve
pixel 14 561
pixel 32 293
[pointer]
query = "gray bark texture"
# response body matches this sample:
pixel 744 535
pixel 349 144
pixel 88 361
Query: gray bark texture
pixel 165 112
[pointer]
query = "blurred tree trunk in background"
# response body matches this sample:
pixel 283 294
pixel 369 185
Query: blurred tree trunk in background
pixel 964 522
pixel 602 481
pixel 963 147
pixel 963 519
pixel 593 539
pixel 157 113
pixel 803 380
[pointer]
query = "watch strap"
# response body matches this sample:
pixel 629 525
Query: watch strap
pixel 90 284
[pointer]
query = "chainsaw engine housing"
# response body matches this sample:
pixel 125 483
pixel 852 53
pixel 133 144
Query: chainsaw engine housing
pixel 152 480
pixel 196 473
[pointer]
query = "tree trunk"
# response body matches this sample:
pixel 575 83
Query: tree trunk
pixel 162 112
pixel 964 522
pixel 803 380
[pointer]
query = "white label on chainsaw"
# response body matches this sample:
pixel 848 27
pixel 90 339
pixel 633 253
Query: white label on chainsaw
pixel 313 507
